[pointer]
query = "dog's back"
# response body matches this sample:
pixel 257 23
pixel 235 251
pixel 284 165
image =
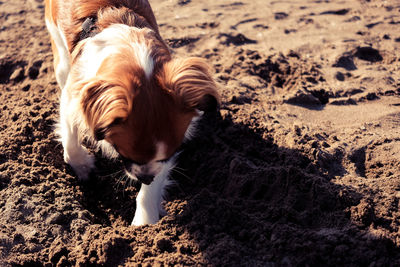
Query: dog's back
pixel 69 16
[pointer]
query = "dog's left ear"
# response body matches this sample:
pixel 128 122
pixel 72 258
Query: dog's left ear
pixel 104 105
pixel 191 82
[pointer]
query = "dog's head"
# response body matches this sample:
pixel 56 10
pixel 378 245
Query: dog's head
pixel 143 106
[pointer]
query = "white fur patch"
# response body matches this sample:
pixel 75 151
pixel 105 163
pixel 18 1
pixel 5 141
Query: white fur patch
pixel 62 69
pixel 150 197
pixel 96 50
pixel 107 43
pixel 143 55
pixel 68 128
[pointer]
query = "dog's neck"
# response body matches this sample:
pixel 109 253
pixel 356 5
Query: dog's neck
pixel 96 21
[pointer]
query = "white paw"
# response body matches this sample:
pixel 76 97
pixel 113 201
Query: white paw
pixel 143 217
pixel 82 163
pixel 149 202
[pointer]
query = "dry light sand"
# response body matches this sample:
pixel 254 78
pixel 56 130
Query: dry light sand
pixel 299 167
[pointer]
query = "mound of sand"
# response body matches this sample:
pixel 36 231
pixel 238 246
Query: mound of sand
pixel 299 167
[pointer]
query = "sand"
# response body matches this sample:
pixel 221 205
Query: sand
pixel 300 166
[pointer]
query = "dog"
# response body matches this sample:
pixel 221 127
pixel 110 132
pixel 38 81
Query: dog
pixel 122 90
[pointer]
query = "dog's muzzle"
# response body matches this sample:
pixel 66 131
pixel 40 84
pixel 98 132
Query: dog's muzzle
pixel 145 178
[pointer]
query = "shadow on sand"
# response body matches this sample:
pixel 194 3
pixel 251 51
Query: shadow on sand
pixel 250 202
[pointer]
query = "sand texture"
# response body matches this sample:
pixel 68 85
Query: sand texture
pixel 300 167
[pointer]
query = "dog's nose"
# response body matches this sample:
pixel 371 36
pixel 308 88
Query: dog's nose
pixel 145 178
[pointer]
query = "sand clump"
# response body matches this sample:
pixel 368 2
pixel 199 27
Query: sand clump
pixel 298 167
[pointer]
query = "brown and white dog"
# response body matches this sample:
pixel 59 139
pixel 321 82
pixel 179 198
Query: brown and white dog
pixel 122 89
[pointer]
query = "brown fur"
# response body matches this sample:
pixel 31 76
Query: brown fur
pixel 190 81
pixel 131 111
pixel 70 15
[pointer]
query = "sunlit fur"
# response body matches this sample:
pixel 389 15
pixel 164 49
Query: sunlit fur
pixel 122 90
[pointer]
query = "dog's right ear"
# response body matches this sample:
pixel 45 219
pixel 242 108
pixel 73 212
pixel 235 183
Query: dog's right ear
pixel 190 80
pixel 104 105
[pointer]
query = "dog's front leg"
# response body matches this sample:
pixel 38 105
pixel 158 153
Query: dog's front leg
pixel 148 201
pixel 75 154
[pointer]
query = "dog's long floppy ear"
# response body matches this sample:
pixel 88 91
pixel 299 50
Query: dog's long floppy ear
pixel 191 82
pixel 104 105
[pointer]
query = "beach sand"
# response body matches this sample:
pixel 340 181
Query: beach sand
pixel 300 166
